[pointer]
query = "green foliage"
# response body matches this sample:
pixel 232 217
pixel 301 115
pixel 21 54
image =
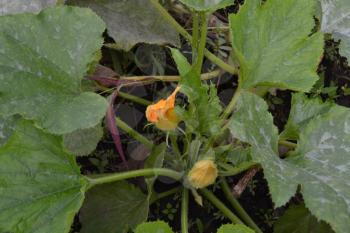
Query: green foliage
pixel 319 164
pixel 272 44
pixel 237 228
pixel 113 208
pixel 207 5
pixel 43 61
pixel 302 111
pixel 41 185
pixel 204 105
pixel 298 219
pixel 19 6
pixel 131 22
pixel 83 141
pixel 153 227
pixel 7 126
pixel 336 20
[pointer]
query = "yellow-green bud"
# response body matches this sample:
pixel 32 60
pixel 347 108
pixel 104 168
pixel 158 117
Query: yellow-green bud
pixel 203 174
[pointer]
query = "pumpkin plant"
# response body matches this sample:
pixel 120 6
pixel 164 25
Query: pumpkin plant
pixel 48 117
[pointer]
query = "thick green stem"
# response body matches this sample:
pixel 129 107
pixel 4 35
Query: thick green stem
pixel 132 174
pixel 237 206
pixel 230 107
pixel 195 35
pixel 228 68
pixel 184 211
pixel 202 42
pixel 133 133
pixel 221 206
pixel 134 98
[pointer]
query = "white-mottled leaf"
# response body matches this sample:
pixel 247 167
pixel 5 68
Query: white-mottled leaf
pixel 303 109
pixel 336 20
pixel 320 165
pixel 43 59
pixel 20 6
pixel 272 43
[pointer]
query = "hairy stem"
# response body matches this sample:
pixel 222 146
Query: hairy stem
pixel 237 206
pixel 202 42
pixel 223 65
pixel 221 206
pixel 184 211
pixel 132 174
pixel 133 133
pixel 230 107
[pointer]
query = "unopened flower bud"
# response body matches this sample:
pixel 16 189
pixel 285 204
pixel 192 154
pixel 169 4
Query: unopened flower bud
pixel 203 174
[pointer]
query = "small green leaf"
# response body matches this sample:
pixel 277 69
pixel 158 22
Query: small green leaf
pixel 237 228
pixel 131 22
pixel 302 111
pixel 205 107
pixel 320 165
pixel 44 57
pixel 153 227
pixel 83 141
pixel 19 6
pixel 113 208
pixel 272 44
pixel 207 5
pixel 298 219
pixel 41 187
pixel 336 20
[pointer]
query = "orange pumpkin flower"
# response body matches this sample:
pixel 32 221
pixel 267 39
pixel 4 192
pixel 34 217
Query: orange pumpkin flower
pixel 162 113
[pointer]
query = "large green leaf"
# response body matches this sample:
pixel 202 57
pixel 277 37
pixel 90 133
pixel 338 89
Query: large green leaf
pixel 83 141
pixel 336 20
pixel 298 219
pixel 113 208
pixel 320 164
pixel 41 187
pixel 207 5
pixel 43 59
pixel 153 227
pixel 272 44
pixel 302 111
pixel 253 123
pixel 132 21
pixel 237 228
pixel 20 6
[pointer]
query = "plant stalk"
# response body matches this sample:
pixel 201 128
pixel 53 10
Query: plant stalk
pixel 134 98
pixel 237 206
pixel 133 133
pixel 230 107
pixel 161 195
pixel 288 144
pixel 221 206
pixel 184 211
pixel 223 65
pixel 202 42
pixel 132 174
